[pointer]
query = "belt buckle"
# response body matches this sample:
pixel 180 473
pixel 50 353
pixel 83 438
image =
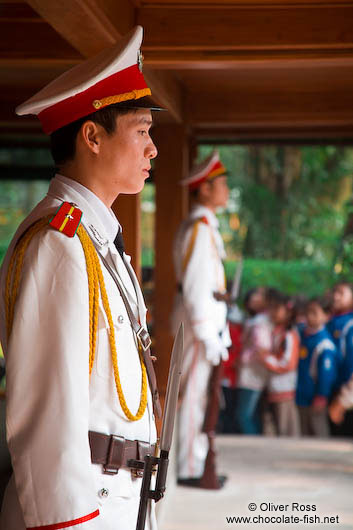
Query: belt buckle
pixel 108 468
pixel 136 473
pixel 136 467
pixel 144 338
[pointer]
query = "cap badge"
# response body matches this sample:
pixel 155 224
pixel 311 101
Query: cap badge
pixel 97 104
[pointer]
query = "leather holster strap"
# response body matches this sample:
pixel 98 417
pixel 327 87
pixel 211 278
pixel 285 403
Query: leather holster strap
pixel 114 452
pixel 151 374
pixel 146 353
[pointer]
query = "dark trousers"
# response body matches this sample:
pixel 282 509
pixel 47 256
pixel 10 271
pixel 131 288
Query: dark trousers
pixel 247 413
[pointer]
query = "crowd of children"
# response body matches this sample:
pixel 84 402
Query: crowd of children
pixel 294 362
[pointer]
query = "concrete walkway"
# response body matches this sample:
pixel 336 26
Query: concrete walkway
pixel 271 472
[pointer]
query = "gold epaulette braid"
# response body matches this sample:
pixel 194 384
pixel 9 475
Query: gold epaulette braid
pixel 97 286
pixel 96 289
pixel 191 245
pixel 15 267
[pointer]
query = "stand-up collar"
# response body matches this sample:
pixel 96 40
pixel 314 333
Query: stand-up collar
pixel 199 210
pixel 105 214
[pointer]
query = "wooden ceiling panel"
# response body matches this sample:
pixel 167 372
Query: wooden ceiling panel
pixel 201 3
pixel 90 26
pixel 272 96
pixel 247 28
pixel 26 36
pixel 232 64
pixel 275 108
pixel 322 78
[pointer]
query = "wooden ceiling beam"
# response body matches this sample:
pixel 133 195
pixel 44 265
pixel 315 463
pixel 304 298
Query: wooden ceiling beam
pixel 222 118
pixel 82 23
pixel 282 105
pixel 24 35
pixel 90 26
pixel 217 60
pixel 274 133
pixel 169 91
pixel 232 33
pixel 205 3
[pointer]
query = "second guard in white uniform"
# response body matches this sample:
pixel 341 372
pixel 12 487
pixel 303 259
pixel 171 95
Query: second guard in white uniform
pixel 198 255
pixel 80 405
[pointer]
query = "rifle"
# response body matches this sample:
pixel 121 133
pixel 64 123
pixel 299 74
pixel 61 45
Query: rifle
pixel 209 479
pixel 161 461
pixel 234 292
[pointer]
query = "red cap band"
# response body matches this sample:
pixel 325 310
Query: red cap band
pixel 73 108
pixel 215 171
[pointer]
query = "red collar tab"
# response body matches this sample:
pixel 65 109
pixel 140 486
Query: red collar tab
pixel 204 220
pixel 67 219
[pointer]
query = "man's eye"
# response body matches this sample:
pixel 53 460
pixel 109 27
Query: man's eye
pixel 143 133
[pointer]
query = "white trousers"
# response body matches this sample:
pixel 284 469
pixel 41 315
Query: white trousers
pixel 192 442
pixel 115 512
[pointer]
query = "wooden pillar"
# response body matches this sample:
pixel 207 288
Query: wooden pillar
pixel 171 166
pixel 128 211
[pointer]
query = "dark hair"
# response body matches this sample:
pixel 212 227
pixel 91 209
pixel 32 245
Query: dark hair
pixel 194 194
pixel 321 301
pixel 273 294
pixel 343 284
pixel 277 298
pixel 247 299
pixel 63 141
pixel 300 302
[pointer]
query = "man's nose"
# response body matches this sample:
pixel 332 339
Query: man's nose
pixel 151 150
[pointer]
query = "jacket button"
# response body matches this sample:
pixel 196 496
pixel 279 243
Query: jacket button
pixel 103 492
pixel 120 319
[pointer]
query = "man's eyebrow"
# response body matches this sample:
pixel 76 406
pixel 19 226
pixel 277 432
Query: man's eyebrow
pixel 147 121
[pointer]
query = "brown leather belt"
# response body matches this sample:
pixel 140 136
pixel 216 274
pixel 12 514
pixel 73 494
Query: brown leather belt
pixel 114 452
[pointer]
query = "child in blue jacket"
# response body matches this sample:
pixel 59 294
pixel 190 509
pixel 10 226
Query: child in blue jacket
pixel 317 371
pixel 341 328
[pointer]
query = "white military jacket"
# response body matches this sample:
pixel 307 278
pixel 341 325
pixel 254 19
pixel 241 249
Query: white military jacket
pixel 52 402
pixel 200 273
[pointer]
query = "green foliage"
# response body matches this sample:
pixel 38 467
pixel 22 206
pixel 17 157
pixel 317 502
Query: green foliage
pixel 3 249
pixel 290 200
pixel 291 277
pixel 17 199
pixel 147 224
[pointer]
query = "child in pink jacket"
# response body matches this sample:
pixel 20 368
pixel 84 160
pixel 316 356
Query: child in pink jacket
pixel 282 361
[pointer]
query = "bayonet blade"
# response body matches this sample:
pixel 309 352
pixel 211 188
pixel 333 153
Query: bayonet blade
pixel 234 293
pixel 171 399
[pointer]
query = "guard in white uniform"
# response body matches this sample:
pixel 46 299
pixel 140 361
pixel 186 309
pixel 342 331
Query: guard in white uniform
pixel 198 255
pixel 79 400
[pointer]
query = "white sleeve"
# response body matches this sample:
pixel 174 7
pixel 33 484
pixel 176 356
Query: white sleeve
pixel 48 386
pixel 345 395
pixel 198 285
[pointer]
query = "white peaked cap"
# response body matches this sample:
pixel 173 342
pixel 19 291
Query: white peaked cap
pixel 113 76
pixel 206 170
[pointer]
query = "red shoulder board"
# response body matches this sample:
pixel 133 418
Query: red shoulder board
pixel 204 220
pixel 67 219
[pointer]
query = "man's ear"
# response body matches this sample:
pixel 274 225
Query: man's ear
pixel 205 190
pixel 91 136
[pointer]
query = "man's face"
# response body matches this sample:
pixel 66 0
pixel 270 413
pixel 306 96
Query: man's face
pixel 126 154
pixel 342 298
pixel 219 192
